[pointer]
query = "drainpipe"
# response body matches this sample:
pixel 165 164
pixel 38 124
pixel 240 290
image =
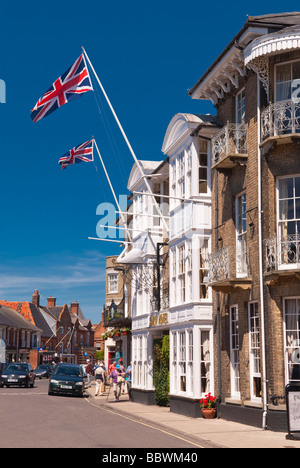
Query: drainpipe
pixel 218 298
pixel 264 370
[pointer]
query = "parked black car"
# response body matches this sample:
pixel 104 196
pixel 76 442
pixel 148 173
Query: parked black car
pixel 18 374
pixel 43 370
pixel 67 379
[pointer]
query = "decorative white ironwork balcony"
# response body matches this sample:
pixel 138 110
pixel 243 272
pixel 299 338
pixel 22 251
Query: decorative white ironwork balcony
pixel 164 302
pixel 281 119
pixel 283 253
pixel 230 146
pixel 229 267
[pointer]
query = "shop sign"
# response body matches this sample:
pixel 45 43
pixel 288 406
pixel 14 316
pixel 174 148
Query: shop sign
pixel 157 320
pixel 293 407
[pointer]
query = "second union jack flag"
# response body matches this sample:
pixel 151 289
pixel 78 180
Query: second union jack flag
pixel 81 153
pixel 71 85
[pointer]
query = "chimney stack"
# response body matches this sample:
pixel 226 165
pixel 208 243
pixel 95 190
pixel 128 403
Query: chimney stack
pixel 75 308
pixel 51 301
pixel 36 298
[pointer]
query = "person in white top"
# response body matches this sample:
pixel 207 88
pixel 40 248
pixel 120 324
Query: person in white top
pixel 100 378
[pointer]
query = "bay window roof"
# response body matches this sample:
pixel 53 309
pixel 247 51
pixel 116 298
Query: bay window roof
pixel 225 71
pixel 286 40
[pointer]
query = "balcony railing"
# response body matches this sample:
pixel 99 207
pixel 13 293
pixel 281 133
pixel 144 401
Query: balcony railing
pixel 164 302
pixel 230 144
pixel 281 118
pixel 230 263
pixel 282 253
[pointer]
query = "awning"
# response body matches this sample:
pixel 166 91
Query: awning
pixel 283 41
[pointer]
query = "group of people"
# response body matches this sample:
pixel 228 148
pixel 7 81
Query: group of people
pixel 119 377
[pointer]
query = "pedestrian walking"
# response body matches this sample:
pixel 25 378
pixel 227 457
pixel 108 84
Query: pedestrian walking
pixel 112 366
pixel 128 379
pixel 89 372
pixel 122 372
pixel 116 380
pixel 100 378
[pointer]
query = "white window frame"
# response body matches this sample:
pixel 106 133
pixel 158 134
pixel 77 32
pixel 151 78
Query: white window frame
pixel 113 282
pixel 254 349
pixel 234 354
pixel 204 362
pixel 182 362
pixel 241 237
pixel 202 166
pixel 140 376
pixel 289 347
pixel 203 268
pixel 240 119
pixel 191 361
pixel 282 265
pixel 182 271
pixel 173 276
pixel 189 270
pixel 288 62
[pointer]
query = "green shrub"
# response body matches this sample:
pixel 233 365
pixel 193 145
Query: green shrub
pixel 100 355
pixel 161 377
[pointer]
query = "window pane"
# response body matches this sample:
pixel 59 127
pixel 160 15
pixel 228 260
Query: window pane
pixel 203 186
pixel 286 209
pixel 203 145
pixel 296 70
pixel 297 186
pixel 297 208
pixel 283 82
pixel 286 188
pixel 202 173
pixel 240 117
pixel 283 73
pixel 203 159
pixel 283 91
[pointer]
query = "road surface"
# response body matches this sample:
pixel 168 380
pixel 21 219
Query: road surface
pixel 33 419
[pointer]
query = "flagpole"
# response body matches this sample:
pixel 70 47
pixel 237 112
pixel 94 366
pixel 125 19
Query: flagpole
pixel 110 240
pixel 127 142
pixel 111 187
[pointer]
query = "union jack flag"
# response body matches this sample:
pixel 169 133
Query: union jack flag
pixel 71 85
pixel 81 153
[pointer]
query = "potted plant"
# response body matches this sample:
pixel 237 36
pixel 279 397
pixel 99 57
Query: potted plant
pixel 116 332
pixel 125 330
pixel 209 406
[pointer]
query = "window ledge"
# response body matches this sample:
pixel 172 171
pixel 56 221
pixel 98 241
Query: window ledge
pixel 233 401
pixel 253 404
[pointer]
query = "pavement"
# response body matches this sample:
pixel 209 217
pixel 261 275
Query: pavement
pixel 203 433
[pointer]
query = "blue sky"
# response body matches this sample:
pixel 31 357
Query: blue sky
pixel 147 56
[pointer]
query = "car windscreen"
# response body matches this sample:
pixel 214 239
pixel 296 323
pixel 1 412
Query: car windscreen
pixel 17 367
pixel 68 371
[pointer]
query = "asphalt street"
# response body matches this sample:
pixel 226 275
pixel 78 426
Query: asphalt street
pixel 30 418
